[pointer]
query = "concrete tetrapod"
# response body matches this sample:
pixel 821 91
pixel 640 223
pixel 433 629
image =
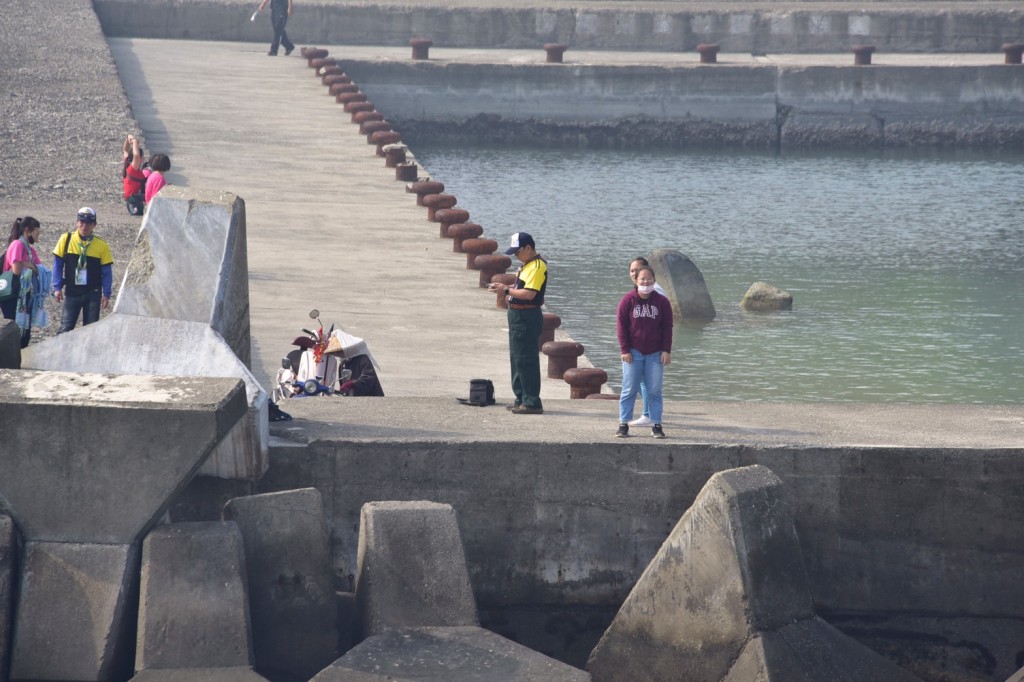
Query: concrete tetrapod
pixel 237 674
pixel 9 545
pixel 172 348
pixel 193 602
pixel 727 598
pixel 291 595
pixel 109 454
pixel 10 345
pixel 683 282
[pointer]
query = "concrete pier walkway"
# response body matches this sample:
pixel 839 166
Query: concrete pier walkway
pixel 328 225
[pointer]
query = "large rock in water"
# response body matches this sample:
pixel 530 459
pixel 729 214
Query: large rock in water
pixel 726 598
pixel 762 296
pixel 682 281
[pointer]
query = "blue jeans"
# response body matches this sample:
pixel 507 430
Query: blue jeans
pixel 648 370
pixel 87 305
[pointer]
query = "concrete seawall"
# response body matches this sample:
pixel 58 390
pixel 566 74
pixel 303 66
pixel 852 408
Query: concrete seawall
pixel 670 26
pixel 757 105
pixel 902 537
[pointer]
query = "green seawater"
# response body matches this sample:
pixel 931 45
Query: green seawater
pixel 907 271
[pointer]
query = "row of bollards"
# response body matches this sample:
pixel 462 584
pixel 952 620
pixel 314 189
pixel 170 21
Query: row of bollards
pixel 453 222
pixel 709 52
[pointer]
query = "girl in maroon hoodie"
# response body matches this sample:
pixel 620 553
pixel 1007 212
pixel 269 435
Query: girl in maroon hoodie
pixel 645 341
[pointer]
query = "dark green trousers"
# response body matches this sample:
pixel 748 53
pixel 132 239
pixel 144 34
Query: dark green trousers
pixel 524 328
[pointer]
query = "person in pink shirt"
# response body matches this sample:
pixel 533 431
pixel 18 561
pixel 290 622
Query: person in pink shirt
pixel 19 256
pixel 158 164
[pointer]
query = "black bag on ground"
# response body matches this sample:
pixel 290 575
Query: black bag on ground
pixel 481 393
pixel 136 204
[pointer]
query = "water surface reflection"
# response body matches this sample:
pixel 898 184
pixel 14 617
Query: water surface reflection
pixel 906 271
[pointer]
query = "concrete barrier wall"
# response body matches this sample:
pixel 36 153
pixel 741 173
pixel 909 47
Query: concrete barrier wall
pixel 928 27
pixel 765 106
pixel 881 529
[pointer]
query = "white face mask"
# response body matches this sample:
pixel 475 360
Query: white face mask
pixel 645 289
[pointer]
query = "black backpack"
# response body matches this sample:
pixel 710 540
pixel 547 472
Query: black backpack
pixel 136 203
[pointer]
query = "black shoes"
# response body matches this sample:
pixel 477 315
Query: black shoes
pixel 271 54
pixel 288 50
pixel 623 431
pixel 523 409
pixel 657 432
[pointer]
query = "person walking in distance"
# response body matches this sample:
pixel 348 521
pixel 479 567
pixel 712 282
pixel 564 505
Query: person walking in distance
pixel 82 272
pixel 280 10
pixel 525 323
pixel 645 341
pixel 645 416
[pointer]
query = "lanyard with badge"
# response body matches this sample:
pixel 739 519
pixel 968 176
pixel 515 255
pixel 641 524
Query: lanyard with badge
pixel 81 271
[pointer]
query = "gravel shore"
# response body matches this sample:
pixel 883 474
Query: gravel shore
pixel 63 118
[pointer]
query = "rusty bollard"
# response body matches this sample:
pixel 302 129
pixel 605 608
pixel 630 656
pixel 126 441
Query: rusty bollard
pixel 477 247
pixel 862 54
pixel 562 355
pixel 508 279
pixel 330 71
pixel 584 381
pixel 336 89
pixel 311 53
pixel 547 332
pixel 383 138
pixel 460 232
pixel 358 107
pixel 406 172
pixel 433 202
pixel 347 98
pixel 491 265
pixel 421 188
pixel 335 79
pixel 370 127
pixel 708 53
pixel 450 216
pixel 1014 52
pixel 555 52
pixel 362 117
pixel 320 64
pixel 303 50
pixel 394 154
pixel 421 48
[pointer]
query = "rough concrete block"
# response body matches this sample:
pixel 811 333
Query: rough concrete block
pixel 168 348
pixel 193 606
pixel 411 568
pixel 97 458
pixel 683 282
pixel 811 650
pixel 1017 676
pixel 10 345
pixel 729 574
pixel 236 674
pixel 446 654
pixel 291 589
pixel 74 610
pixel 9 546
pixel 189 263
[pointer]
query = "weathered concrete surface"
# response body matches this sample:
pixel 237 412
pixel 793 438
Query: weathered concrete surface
pixel 113 450
pixel 411 568
pixel 446 654
pixel 768 103
pixel 10 345
pixel 741 26
pixel 193 603
pixel 762 296
pixel 292 599
pixel 190 263
pixel 172 348
pixel 900 509
pixel 683 282
pixel 319 204
pixel 237 674
pixel 75 605
pixel 730 570
pixel 1017 676
pixel 9 551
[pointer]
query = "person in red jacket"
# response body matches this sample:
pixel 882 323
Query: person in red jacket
pixel 645 342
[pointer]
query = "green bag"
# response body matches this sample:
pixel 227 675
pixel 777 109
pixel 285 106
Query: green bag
pixel 7 286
